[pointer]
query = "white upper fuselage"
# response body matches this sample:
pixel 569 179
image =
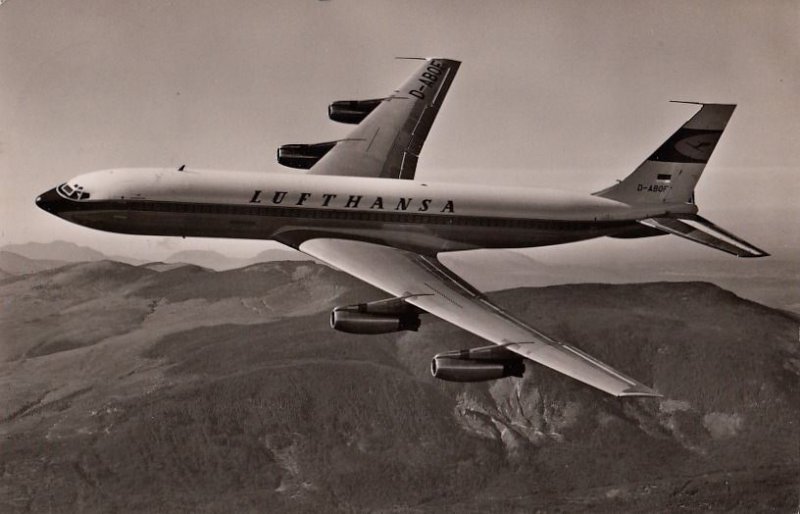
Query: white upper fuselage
pixel 296 189
pixel 293 207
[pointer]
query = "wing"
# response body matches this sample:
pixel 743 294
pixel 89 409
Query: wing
pixel 387 143
pixel 431 286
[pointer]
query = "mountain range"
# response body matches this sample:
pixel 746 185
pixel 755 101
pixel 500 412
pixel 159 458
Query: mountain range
pixel 774 282
pixel 58 253
pixel 176 388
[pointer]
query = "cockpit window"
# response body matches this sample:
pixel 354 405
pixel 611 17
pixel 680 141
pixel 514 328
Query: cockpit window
pixel 73 193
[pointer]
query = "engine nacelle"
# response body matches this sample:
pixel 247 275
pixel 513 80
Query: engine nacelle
pixel 352 111
pixel 303 156
pixel 477 364
pixel 363 323
pixel 381 317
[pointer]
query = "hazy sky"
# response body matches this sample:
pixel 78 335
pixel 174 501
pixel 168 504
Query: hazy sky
pixel 560 94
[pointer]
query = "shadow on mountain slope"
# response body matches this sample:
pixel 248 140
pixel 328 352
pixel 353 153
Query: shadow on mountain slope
pixel 209 401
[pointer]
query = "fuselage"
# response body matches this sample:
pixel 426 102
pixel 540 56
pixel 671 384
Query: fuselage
pixel 294 207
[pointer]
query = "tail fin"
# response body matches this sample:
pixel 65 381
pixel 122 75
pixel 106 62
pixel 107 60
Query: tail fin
pixel 670 174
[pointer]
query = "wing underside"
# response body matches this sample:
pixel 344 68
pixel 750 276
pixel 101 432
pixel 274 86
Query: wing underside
pixel 426 283
pixel 387 143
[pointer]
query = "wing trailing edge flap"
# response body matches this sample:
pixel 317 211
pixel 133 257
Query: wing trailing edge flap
pixel 426 283
pixel 700 230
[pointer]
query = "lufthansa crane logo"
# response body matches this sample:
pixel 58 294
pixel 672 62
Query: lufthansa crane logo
pixel 698 147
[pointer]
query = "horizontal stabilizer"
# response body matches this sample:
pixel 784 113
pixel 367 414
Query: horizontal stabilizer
pixel 700 230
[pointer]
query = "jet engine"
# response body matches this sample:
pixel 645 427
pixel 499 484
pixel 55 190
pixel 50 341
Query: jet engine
pixel 477 364
pixel 352 111
pixel 381 317
pixel 303 156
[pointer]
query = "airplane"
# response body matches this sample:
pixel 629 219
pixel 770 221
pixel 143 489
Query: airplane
pixel 356 206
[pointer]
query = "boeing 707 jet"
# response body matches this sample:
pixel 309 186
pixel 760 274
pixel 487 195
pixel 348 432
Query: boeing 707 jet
pixel 356 206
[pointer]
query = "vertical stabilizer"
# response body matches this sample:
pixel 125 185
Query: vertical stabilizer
pixel 670 174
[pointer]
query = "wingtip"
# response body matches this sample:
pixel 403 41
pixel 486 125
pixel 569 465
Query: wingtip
pixel 412 58
pixel 698 103
pixel 641 390
pixel 753 255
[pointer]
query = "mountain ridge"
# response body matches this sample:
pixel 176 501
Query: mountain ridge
pixel 775 282
pixel 193 390
pixel 41 256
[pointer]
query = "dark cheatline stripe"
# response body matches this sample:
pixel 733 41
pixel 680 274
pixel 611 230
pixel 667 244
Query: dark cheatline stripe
pixel 323 214
pixel 687 145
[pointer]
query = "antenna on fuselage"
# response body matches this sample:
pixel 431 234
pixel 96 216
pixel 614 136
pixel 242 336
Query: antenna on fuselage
pixel 182 167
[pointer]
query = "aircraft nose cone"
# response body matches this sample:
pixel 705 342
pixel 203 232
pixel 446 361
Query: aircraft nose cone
pixel 50 201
